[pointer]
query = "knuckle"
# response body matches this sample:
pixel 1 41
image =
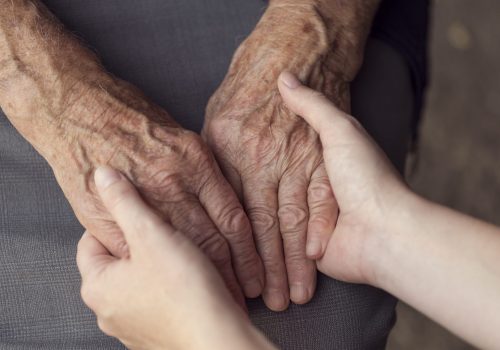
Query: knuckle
pixel 119 246
pixel 234 221
pixel 106 313
pixel 217 249
pixel 274 267
pixel 320 190
pixel 193 144
pixel 249 263
pixel 111 236
pixel 263 220
pixel 80 245
pixel 104 326
pixel 219 128
pixel 168 182
pixel 297 258
pixel 275 274
pixel 321 222
pixel 89 296
pixel 292 218
pixel 269 247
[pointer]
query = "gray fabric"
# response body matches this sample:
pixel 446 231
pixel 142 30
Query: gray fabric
pixel 177 52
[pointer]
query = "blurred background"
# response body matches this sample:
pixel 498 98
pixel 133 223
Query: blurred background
pixel 457 162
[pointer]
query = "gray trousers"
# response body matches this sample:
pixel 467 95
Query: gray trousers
pixel 177 52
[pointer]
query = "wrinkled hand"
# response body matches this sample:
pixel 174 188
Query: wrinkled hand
pixel 173 169
pixel 165 294
pixel 56 94
pixel 271 157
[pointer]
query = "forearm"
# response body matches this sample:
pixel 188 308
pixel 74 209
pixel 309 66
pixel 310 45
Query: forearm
pixel 43 67
pixel 53 89
pixel 343 25
pixel 320 41
pixel 447 265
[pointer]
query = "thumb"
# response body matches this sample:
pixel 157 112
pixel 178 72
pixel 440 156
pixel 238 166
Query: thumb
pixel 313 106
pixel 134 217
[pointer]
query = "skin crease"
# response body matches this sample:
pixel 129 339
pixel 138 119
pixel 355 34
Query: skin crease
pixel 271 157
pixel 78 117
pixel 183 287
pixel 386 236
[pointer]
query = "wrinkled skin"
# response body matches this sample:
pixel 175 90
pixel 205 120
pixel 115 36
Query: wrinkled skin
pixel 79 117
pixel 185 305
pixel 271 157
pixel 173 168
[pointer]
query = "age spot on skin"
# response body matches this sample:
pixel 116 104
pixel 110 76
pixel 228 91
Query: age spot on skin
pixel 307 28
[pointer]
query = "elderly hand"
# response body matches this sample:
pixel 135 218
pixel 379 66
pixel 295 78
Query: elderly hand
pixel 165 294
pixel 174 171
pixel 368 189
pixel 78 117
pixel 271 157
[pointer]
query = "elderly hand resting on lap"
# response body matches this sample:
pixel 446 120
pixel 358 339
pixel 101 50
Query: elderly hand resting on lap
pixel 385 236
pixel 77 116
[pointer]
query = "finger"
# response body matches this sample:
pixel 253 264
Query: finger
pixel 314 107
pixel 323 212
pixel 261 204
pixel 134 217
pixel 91 255
pixel 92 259
pixel 190 218
pixel 226 212
pixel 293 216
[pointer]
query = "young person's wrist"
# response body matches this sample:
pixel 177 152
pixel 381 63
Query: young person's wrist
pixel 394 240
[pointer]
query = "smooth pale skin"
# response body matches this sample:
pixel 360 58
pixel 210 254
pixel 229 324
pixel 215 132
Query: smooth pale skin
pixel 443 263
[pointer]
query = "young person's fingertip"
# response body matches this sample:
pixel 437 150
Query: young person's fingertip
pixel 106 176
pixel 289 80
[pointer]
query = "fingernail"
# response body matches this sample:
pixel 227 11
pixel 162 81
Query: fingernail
pixel 253 288
pixel 290 80
pixel 105 176
pixel 276 301
pixel 313 248
pixel 299 293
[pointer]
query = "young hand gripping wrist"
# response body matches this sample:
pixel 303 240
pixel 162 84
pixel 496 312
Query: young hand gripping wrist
pixel 443 263
pixel 166 294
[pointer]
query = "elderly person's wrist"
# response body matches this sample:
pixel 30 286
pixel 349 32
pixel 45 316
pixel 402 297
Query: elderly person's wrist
pixel 44 70
pixel 340 28
pixel 56 92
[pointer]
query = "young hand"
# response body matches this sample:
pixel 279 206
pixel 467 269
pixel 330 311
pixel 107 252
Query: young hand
pixel 366 186
pixel 443 263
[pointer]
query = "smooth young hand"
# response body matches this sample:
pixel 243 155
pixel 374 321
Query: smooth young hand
pixel 365 184
pixel 443 263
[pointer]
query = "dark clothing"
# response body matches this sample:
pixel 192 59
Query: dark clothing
pixel 404 25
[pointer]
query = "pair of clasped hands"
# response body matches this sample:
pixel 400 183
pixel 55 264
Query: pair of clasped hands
pixel 165 293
